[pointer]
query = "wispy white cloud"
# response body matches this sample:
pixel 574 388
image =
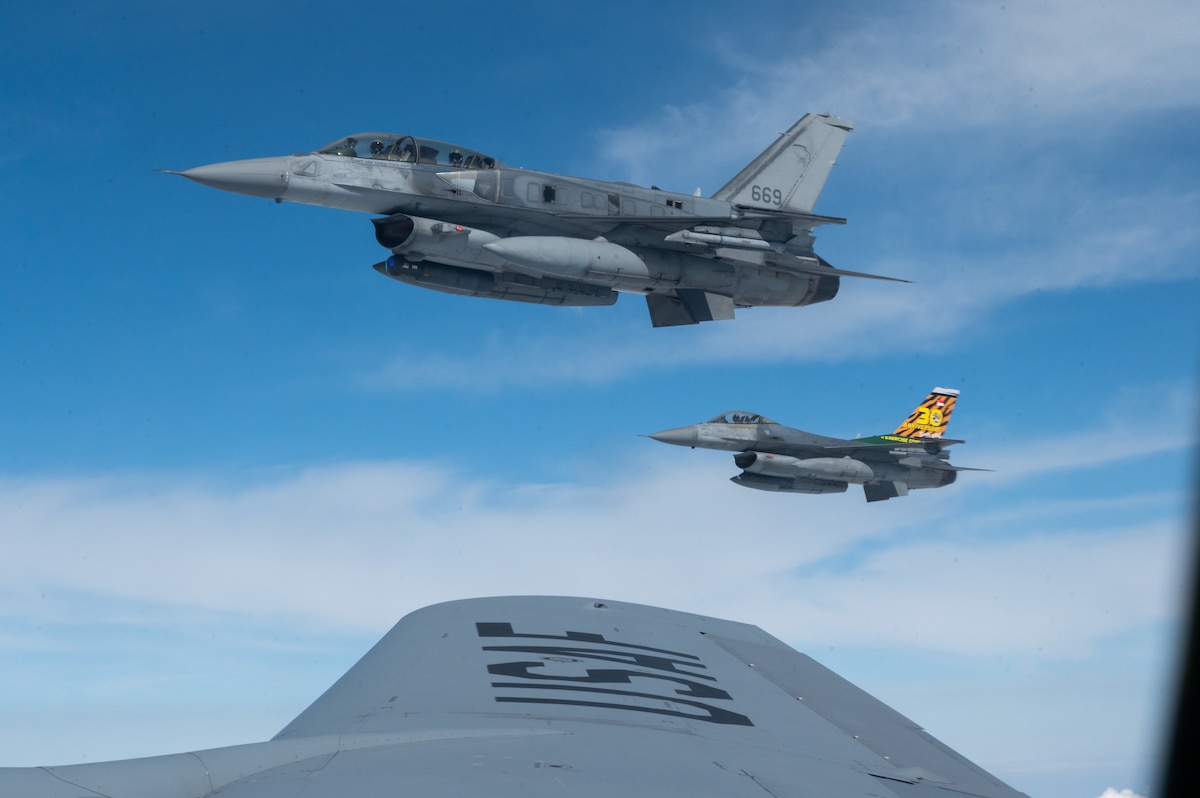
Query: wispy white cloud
pixel 1130 429
pixel 93 565
pixel 995 595
pixel 1047 69
pixel 1053 72
pixel 352 546
pixel 956 291
pixel 988 62
pixel 507 360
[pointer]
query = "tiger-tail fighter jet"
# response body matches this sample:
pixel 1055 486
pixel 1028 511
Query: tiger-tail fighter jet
pixel 778 458
pixel 459 221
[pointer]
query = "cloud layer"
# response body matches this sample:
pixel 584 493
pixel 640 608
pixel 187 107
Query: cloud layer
pixel 355 545
pixel 1009 122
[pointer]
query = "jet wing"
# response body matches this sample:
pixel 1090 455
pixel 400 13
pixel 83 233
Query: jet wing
pixel 822 266
pixel 746 217
pixel 869 451
pixel 930 445
pixel 533 697
pixel 772 233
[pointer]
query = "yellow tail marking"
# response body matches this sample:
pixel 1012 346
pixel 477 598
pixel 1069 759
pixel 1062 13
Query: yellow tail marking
pixel 930 418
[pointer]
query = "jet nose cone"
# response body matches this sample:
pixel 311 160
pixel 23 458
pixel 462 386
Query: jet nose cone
pixel 260 177
pixel 680 436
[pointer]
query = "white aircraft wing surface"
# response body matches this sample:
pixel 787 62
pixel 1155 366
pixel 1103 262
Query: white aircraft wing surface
pixel 526 697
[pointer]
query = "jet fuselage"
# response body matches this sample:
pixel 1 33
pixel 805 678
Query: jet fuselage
pixel 782 459
pixel 461 222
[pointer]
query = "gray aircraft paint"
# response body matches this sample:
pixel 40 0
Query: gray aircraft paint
pixel 533 697
pixel 786 460
pixel 461 222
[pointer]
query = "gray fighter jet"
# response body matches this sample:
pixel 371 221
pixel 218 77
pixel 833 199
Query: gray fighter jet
pixel 543 697
pixel 462 222
pixel 778 458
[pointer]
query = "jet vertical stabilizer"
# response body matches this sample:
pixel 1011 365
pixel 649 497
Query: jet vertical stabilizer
pixel 790 174
pixel 931 417
pixel 927 422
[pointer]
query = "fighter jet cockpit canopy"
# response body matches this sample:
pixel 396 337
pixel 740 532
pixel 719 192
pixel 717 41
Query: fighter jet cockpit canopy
pixel 406 149
pixel 740 417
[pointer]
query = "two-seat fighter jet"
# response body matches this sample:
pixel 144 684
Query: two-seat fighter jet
pixel 778 458
pixel 461 222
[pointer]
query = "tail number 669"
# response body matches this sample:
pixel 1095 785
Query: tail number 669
pixel 771 196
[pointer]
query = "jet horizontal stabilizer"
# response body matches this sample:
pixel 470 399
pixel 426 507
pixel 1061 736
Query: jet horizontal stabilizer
pixel 822 267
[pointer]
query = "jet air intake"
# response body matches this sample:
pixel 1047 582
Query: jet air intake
pixel 417 236
pixel 393 231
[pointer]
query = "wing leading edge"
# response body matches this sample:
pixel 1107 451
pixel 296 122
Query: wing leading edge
pixel 552 696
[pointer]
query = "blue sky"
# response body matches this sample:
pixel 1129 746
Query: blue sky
pixel 232 455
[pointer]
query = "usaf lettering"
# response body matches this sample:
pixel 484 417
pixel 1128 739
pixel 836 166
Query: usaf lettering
pixel 672 683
